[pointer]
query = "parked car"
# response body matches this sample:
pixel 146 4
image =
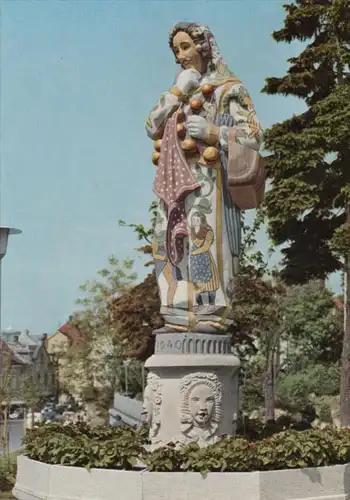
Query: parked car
pixel 17 414
pixel 49 413
pixel 50 404
pixel 60 409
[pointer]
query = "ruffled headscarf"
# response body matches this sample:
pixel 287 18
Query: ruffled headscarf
pixel 217 69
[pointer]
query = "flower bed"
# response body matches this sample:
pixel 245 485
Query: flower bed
pixel 72 462
pixel 106 448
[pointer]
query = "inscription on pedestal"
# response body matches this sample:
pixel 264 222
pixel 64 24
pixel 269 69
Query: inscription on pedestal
pixel 192 343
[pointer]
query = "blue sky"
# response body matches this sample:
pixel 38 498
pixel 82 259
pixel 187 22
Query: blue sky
pixel 78 79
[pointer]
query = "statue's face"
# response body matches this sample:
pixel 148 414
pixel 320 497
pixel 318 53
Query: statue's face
pixel 202 403
pixel 186 52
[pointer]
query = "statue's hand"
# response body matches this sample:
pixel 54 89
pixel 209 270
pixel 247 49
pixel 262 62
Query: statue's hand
pixel 188 80
pixel 198 127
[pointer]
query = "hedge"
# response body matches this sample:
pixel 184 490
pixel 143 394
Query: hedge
pixel 82 446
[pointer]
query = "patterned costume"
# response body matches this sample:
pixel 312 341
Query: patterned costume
pixel 188 187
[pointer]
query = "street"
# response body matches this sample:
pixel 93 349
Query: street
pixel 16 433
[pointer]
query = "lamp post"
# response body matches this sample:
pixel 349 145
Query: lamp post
pixel 145 325
pixel 5 232
pixel 4 236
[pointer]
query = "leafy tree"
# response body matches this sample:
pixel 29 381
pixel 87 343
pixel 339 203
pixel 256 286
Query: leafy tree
pixel 313 326
pixel 297 330
pixel 251 393
pixel 296 390
pixel 90 368
pixel 138 314
pixel 252 293
pixel 144 234
pixel 258 324
pixel 31 394
pixel 130 377
pixel 308 205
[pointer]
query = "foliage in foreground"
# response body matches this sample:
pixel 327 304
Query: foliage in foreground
pixel 8 470
pixel 82 446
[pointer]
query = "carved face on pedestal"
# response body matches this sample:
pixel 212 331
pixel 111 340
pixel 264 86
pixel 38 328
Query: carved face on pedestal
pixel 201 406
pixel 201 402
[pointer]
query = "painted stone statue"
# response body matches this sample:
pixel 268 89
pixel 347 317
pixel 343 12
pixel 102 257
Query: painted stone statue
pixel 197 235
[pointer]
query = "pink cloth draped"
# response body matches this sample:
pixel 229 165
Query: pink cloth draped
pixel 174 181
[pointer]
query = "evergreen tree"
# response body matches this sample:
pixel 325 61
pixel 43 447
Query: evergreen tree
pixel 308 205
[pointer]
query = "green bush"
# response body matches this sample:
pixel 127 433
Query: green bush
pixel 324 413
pixel 294 390
pixel 252 374
pixel 82 446
pixel 8 470
pixel 257 430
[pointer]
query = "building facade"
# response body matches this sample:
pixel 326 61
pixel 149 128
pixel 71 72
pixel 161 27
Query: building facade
pixel 25 367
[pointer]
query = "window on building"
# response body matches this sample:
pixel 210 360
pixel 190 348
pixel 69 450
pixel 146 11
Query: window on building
pixel 45 379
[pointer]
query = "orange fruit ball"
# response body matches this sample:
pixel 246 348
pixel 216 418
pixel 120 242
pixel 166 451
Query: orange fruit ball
pixel 189 145
pixel 155 158
pixel 211 154
pixel 207 89
pixel 157 144
pixel 181 129
pixel 181 116
pixel 196 105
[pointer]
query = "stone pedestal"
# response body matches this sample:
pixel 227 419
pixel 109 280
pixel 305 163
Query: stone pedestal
pixel 192 389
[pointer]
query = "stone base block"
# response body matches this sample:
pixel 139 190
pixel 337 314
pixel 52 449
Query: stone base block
pixel 192 389
pixel 37 481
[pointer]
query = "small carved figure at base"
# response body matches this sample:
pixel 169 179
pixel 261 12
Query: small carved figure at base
pixel 152 401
